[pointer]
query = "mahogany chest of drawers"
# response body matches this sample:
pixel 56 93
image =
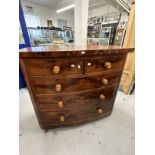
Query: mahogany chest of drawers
pixel 72 86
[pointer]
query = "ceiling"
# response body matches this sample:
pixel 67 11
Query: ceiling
pixel 57 4
pixel 54 4
pixel 97 3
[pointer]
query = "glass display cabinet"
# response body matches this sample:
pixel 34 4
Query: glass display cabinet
pixel 41 37
pixel 119 38
pixel 21 38
pixel 100 37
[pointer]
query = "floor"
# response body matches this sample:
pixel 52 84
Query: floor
pixel 113 135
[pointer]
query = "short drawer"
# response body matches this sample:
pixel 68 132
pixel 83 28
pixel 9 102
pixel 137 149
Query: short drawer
pixel 48 67
pixel 63 102
pixel 104 63
pixel 75 115
pixel 65 85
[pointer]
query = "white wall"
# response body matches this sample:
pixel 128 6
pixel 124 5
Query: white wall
pixel 124 16
pixel 46 13
pixel 101 11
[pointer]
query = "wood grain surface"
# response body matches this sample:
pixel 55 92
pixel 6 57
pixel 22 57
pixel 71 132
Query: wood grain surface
pixel 81 90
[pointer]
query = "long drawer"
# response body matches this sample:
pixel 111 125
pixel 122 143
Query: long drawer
pixel 49 85
pixel 78 100
pixel 75 115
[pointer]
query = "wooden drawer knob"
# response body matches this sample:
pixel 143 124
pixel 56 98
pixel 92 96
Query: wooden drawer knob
pixel 102 97
pixel 58 87
pixel 56 69
pixel 100 111
pixel 108 65
pixel 60 104
pixel 62 118
pixel 105 81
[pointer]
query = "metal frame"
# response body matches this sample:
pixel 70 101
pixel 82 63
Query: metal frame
pixel 24 28
pixel 22 83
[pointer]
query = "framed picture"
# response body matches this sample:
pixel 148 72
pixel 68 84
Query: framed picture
pixel 49 23
pixel 98 19
pixel 102 18
pixel 68 32
pixel 94 20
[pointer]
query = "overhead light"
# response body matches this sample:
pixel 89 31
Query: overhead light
pixel 66 8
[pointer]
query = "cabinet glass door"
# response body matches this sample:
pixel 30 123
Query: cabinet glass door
pixel 21 38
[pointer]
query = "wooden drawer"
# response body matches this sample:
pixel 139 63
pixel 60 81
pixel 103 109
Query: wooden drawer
pixel 63 102
pixel 75 115
pixel 64 85
pixel 48 67
pixel 103 63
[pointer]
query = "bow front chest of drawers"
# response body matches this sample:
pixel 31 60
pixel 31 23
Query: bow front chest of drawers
pixel 72 86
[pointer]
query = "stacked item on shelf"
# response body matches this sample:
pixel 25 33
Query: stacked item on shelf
pixel 121 29
pixel 42 36
pixel 119 37
pixel 102 29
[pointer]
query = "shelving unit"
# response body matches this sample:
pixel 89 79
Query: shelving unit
pixel 101 29
pixel 98 41
pixel 119 37
pixel 103 36
pixel 41 37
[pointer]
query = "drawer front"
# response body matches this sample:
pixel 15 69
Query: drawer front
pixel 75 115
pixel 104 63
pixel 63 102
pixel 48 67
pixel 65 85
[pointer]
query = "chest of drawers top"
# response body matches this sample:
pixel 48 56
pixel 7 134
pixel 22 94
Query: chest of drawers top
pixel 55 51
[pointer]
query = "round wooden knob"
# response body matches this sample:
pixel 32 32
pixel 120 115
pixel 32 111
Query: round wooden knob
pixel 58 87
pixel 60 104
pixel 102 97
pixel 108 65
pixel 105 81
pixel 62 118
pixel 56 69
pixel 99 110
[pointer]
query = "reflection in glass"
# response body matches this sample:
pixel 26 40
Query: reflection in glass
pixel 21 38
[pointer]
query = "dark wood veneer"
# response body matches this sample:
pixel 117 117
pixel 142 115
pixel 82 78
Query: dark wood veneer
pixel 75 114
pixel 47 85
pixel 44 67
pixel 72 86
pixel 98 63
pixel 76 100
